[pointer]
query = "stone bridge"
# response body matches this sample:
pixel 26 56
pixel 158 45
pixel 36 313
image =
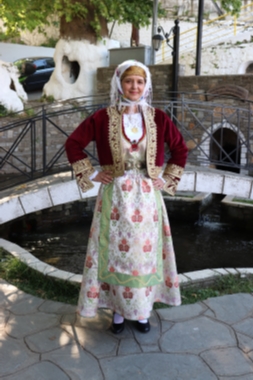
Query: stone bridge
pixel 60 188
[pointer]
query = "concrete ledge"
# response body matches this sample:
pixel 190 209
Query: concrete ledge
pixel 240 212
pixel 60 188
pixel 190 279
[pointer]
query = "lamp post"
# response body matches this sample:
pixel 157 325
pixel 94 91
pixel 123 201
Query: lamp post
pixel 199 37
pixel 157 40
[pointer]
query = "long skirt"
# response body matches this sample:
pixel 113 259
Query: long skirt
pixel 130 260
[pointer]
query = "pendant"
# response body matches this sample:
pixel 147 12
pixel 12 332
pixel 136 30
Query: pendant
pixel 134 129
pixel 134 147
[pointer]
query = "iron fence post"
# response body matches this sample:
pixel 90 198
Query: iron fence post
pixel 175 54
pixel 33 148
pixel 44 140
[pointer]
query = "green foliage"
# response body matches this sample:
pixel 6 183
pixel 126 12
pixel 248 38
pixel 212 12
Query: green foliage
pixel 29 14
pixel 3 110
pixel 232 6
pixel 51 42
pixel 49 99
pixel 241 200
pixel 30 281
pixel 11 37
pixel 30 112
pixel 229 284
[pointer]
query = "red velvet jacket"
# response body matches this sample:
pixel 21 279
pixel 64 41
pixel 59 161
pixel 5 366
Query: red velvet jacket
pixel 105 128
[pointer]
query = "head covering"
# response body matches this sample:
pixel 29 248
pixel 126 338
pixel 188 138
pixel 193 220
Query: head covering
pixel 117 95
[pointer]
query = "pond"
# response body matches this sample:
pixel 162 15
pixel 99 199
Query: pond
pixel 204 244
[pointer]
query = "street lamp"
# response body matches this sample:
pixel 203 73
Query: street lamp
pixel 157 40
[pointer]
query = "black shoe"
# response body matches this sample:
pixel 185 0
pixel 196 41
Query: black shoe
pixel 143 327
pixel 117 328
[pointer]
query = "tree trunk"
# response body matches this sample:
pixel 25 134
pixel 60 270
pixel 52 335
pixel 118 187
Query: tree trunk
pixel 79 28
pixel 135 36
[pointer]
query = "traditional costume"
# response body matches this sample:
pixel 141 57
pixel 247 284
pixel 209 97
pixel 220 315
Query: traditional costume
pixel 130 261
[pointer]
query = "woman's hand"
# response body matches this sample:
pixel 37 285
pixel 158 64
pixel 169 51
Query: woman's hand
pixel 158 183
pixel 103 177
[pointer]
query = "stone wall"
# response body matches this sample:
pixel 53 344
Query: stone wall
pixel 204 83
pixel 161 78
pixel 162 82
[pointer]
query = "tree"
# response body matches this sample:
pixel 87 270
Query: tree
pixel 78 18
pixel 231 6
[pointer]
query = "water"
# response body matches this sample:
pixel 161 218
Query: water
pixel 205 244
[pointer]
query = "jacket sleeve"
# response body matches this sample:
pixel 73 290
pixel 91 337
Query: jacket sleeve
pixel 75 144
pixel 178 155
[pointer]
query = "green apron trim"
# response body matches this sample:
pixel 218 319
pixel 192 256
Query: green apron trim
pixel 114 278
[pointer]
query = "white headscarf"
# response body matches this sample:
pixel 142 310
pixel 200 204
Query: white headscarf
pixel 117 96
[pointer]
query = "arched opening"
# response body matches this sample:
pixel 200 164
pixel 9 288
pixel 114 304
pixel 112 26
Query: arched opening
pixel 249 69
pixel 225 150
pixel 70 70
pixel 12 85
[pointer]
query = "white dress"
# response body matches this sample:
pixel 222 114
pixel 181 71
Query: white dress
pixel 130 261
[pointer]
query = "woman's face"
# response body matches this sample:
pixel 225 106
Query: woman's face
pixel 133 87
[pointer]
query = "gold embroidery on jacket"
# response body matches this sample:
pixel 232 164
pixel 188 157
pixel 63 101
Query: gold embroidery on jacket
pixel 83 170
pixel 173 170
pixel 151 130
pixel 172 174
pixel 115 125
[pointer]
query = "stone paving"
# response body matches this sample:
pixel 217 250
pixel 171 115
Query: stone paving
pixel 46 340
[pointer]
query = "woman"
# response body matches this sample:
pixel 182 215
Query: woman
pixel 130 261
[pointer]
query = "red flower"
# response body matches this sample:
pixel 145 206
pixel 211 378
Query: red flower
pixel 127 293
pixel 153 270
pixel 168 282
pixel 137 218
pixel 166 230
pixel 148 291
pixel 123 246
pixel 176 283
pixel 145 187
pixel 105 286
pixel 135 273
pixel 155 216
pixel 93 292
pixel 127 186
pixel 115 214
pixel 147 247
pixel 88 262
pixel 111 269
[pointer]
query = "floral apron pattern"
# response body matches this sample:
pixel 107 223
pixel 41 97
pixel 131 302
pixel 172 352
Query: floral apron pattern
pixel 130 261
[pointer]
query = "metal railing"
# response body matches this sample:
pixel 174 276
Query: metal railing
pixel 217 135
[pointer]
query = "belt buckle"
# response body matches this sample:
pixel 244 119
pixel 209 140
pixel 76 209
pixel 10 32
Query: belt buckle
pixel 128 165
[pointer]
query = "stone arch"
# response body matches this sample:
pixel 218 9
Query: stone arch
pixel 207 144
pixel 246 68
pixel 229 90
